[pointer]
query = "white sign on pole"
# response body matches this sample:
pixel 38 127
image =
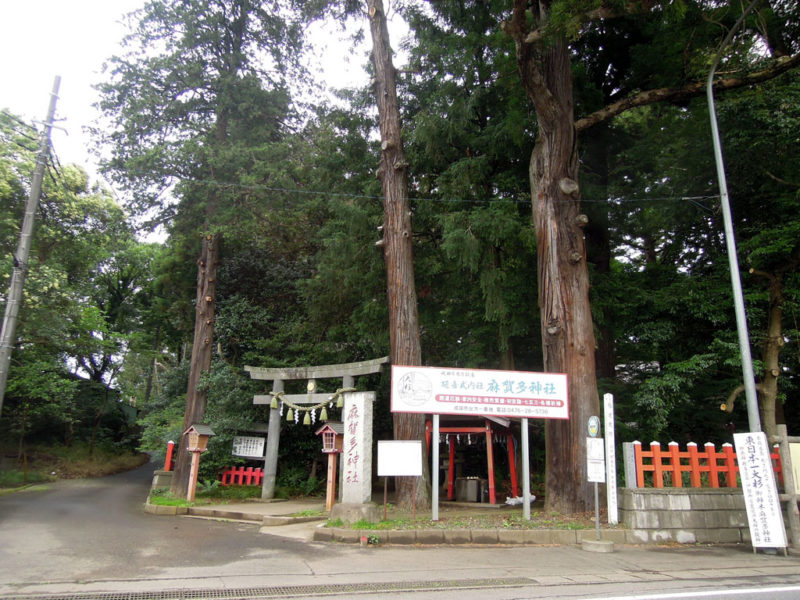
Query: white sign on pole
pixel 479 392
pixel 760 493
pixel 400 458
pixel 595 460
pixel 611 460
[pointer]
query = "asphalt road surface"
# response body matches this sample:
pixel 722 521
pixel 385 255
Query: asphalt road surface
pixel 95 529
pixel 92 537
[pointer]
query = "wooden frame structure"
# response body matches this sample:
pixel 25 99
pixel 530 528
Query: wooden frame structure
pixel 487 429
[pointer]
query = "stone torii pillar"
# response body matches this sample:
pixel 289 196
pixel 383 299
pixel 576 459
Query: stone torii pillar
pixel 348 372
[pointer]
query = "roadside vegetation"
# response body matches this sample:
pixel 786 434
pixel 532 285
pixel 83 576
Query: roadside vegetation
pixel 208 492
pixel 483 520
pixel 52 461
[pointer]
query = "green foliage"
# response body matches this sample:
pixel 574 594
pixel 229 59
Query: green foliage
pixel 234 493
pixel 230 410
pixel 294 481
pixel 163 497
pixel 75 323
pixel 161 417
pixel 15 478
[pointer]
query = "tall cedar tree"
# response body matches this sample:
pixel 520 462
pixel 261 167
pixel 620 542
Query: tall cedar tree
pixel 397 238
pixel 193 70
pixel 542 31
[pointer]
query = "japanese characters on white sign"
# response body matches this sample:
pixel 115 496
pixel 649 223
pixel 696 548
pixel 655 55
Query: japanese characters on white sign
pixel 357 447
pixel 479 392
pixel 760 493
pixel 595 460
pixel 252 447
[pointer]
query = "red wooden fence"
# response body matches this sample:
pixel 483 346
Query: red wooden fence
pixel 673 463
pixel 242 476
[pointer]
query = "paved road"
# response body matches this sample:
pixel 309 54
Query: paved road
pixel 95 529
pixel 92 537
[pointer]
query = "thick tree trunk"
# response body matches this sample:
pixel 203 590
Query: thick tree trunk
pixel 397 239
pixel 567 331
pixel 201 355
pixel 770 355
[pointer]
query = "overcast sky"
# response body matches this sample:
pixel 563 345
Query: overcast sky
pixel 40 39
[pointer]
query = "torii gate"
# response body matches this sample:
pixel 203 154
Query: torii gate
pixel 347 371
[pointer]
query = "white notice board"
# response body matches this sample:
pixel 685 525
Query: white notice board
pixel 760 493
pixel 595 460
pixel 399 458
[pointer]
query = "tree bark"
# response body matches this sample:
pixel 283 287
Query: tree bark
pixel 770 354
pixel 397 239
pixel 567 330
pixel 202 350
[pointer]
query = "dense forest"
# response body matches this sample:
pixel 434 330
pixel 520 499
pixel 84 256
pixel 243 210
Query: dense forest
pixel 532 187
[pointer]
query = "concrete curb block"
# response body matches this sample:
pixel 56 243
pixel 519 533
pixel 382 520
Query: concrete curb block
pixel 157 509
pixel 486 537
pixel 216 513
pixel 602 546
pixel 430 537
pixel 276 521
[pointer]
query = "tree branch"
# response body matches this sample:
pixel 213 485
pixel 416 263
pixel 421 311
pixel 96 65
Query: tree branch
pixel 727 406
pixel 782 181
pixel 782 65
pixel 597 14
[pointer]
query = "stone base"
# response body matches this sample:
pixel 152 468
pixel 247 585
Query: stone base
pixel 350 512
pixel 604 546
pixel 161 479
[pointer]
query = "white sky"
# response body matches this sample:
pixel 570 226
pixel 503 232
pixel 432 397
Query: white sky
pixel 40 39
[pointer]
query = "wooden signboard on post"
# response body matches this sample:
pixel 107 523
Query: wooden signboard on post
pixel 479 393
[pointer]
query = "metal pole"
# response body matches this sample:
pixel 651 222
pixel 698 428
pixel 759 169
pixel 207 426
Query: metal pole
pixel 738 298
pixel 596 512
pixel 435 469
pixel 8 334
pixel 526 472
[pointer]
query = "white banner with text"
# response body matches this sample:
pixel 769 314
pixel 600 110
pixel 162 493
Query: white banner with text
pixel 479 392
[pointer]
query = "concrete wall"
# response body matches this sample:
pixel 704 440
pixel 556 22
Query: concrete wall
pixel 685 515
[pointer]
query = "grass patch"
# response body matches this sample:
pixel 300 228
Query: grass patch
pixel 539 520
pixel 11 478
pixel 215 491
pixel 309 513
pixel 206 494
pixel 163 497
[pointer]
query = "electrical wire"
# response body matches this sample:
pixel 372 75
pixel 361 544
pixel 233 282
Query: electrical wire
pixel 20 122
pixel 418 199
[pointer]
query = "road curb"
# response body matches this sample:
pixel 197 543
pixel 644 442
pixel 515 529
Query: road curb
pixel 483 537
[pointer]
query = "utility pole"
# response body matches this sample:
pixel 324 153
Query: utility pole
pixel 751 396
pixel 14 298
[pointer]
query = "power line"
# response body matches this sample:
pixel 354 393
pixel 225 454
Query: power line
pixel 19 121
pixel 310 192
